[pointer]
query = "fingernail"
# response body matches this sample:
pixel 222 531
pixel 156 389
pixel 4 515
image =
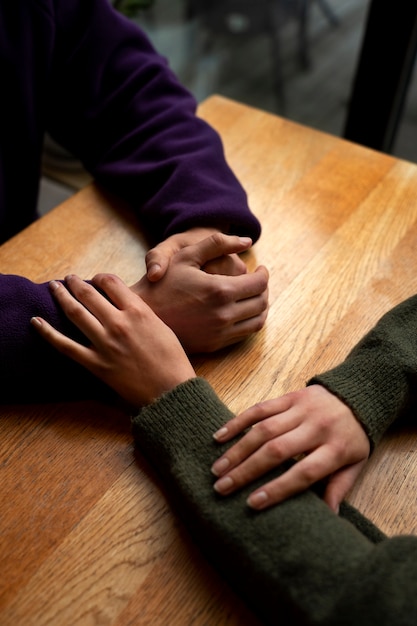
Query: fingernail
pixel 223 485
pixel 257 499
pixel 220 466
pixel 54 285
pixel 245 240
pixel 35 321
pixel 153 270
pixel 222 432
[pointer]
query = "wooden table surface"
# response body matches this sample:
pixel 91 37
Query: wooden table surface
pixel 86 536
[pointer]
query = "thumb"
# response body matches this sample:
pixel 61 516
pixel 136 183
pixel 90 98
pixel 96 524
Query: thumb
pixel 157 259
pixel 340 483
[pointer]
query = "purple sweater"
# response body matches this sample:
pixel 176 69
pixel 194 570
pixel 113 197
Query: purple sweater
pixel 91 78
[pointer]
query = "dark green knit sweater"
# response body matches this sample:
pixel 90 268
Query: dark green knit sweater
pixel 296 563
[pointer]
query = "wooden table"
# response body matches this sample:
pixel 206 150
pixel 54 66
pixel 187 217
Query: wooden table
pixel 86 536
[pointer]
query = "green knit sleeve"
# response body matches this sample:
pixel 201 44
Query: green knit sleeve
pixel 295 563
pixel 378 378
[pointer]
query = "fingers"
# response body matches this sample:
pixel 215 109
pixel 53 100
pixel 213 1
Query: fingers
pixel 267 445
pixel 258 460
pixel 81 305
pixel 131 350
pixel 61 342
pixel 240 300
pixel 228 265
pixel 250 285
pixel 245 305
pixel 311 425
pixel 311 469
pixel 217 245
pixel 251 416
pixel 302 475
pixel 158 258
pixel 119 293
pixel 86 307
pixel 243 329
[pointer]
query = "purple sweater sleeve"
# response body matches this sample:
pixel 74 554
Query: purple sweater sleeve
pixel 115 103
pixel 94 80
pixel 30 369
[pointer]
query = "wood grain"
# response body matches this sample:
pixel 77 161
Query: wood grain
pixel 86 535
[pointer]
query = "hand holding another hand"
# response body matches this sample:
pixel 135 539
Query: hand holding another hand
pixel 158 258
pixel 208 311
pixel 131 349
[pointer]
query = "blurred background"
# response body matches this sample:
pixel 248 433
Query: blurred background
pixel 298 65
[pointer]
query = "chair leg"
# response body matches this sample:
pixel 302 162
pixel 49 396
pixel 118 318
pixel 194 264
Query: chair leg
pixel 303 15
pixel 333 19
pixel 302 35
pixel 274 25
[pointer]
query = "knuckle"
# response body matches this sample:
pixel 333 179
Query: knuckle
pixel 265 300
pixel 309 474
pixel 261 417
pixel 74 310
pixel 104 280
pixel 221 293
pixel 325 423
pixel 298 396
pixel 120 329
pixel 81 289
pixel 223 318
pixel 258 323
pixel 98 278
pixel 339 450
pixel 260 410
pixel 274 450
pixel 218 239
pixel 266 429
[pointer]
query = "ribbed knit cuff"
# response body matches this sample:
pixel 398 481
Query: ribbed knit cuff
pixel 373 385
pixel 188 415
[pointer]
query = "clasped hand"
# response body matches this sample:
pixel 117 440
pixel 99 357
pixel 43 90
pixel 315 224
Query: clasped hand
pixel 201 289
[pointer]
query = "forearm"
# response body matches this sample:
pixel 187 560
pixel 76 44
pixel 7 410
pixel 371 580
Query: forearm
pixel 30 369
pixel 378 379
pixel 135 128
pixel 296 559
